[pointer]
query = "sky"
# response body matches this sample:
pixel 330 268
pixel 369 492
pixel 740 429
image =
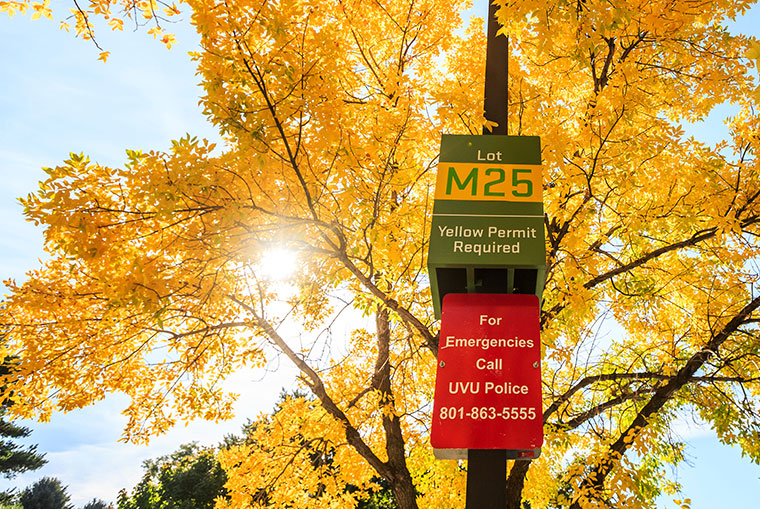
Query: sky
pixel 57 98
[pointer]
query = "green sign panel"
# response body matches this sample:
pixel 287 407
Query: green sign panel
pixel 487 234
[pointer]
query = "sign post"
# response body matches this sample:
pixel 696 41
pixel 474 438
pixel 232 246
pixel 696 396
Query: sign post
pixel 487 268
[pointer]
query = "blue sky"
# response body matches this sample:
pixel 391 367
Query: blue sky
pixel 56 98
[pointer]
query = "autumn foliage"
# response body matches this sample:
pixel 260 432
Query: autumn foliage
pixel 331 114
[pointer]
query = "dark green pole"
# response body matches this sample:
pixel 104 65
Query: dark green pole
pixel 487 468
pixel 497 56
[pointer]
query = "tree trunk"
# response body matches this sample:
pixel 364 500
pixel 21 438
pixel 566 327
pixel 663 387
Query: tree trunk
pixel 515 482
pixel 404 491
pixel 400 479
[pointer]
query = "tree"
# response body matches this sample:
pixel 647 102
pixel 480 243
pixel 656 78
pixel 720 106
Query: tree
pixel 254 462
pixel 189 478
pixel 96 503
pixel 331 115
pixel 15 459
pixel 193 478
pixel 47 493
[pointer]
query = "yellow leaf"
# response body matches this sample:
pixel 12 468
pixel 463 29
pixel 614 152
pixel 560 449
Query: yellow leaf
pixel 116 24
pixel 753 53
pixel 168 40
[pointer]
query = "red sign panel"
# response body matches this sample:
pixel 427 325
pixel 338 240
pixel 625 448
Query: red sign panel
pixel 488 381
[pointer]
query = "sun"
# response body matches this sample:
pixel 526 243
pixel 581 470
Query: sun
pixel 278 264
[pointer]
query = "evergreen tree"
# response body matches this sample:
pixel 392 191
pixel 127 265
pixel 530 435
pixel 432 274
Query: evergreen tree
pixel 14 459
pixel 96 503
pixel 47 493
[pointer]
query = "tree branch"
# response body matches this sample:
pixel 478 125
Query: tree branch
pixel 593 484
pixel 316 385
pixel 695 239
pixel 589 380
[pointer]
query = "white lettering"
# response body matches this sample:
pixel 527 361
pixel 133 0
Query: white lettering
pixel 490 156
pixel 460 246
pixel 505 388
pixel 486 343
pixel 490 320
pixel 494 364
pixel 464 387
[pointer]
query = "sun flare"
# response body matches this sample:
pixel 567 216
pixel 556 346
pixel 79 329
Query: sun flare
pixel 278 264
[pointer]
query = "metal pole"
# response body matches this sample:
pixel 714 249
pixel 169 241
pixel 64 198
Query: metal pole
pixel 487 468
pixel 497 56
pixel 486 479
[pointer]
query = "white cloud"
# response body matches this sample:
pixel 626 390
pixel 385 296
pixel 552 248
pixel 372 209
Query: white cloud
pixel 84 452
